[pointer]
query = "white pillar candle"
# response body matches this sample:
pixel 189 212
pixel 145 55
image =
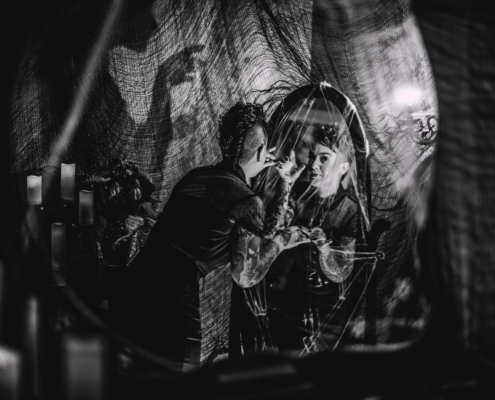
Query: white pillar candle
pixel 34 190
pixel 86 207
pixel 58 245
pixel 10 374
pixel 67 182
pixel 84 367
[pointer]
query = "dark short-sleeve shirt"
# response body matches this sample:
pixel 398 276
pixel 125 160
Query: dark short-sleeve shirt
pixel 203 208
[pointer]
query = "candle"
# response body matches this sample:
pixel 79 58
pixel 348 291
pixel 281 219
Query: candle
pixel 10 374
pixel 86 207
pixel 34 190
pixel 58 245
pixel 31 353
pixel 85 366
pixel 67 182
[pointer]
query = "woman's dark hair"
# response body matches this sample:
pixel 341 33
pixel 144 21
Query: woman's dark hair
pixel 234 126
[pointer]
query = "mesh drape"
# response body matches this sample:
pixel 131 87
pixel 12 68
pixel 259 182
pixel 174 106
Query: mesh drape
pixel 175 66
pixel 367 49
pixel 458 244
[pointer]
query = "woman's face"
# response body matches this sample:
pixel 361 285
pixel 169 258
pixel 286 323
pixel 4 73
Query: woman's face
pixel 323 168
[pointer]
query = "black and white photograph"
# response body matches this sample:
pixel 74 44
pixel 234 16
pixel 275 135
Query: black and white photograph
pixel 247 199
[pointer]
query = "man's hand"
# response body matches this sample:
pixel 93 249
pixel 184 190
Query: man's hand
pixel 294 236
pixel 287 168
pixel 319 238
pixel 317 235
pixel 270 158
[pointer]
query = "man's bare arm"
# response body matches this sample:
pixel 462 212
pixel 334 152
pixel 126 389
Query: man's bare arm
pixel 337 263
pixel 275 213
pixel 252 256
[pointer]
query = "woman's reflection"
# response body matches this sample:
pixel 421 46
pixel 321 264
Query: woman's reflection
pixel 316 293
pixel 304 281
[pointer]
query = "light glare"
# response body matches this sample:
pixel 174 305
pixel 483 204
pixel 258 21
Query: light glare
pixel 407 96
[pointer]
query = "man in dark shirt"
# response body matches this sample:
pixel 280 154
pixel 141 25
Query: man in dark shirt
pixel 212 221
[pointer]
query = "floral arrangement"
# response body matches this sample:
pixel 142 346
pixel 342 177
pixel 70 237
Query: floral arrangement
pixel 120 190
pixel 124 213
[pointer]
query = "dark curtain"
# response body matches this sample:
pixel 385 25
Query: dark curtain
pixel 458 242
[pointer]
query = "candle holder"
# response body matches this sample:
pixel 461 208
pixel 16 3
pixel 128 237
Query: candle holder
pixel 422 127
pixel 87 246
pixel 86 207
pixel 34 226
pixel 115 243
pixel 59 240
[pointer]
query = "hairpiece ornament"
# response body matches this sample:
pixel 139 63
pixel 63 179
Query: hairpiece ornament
pixel 326 135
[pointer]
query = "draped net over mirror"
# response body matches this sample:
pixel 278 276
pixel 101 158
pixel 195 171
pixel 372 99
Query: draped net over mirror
pixel 315 293
pixel 172 68
pixel 298 122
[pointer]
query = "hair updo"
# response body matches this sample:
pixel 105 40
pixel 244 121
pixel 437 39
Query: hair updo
pixel 234 126
pixel 326 135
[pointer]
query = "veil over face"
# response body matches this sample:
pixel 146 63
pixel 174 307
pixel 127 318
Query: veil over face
pixel 315 118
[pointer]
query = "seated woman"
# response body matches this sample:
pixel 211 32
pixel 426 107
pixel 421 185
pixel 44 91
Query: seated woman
pixel 306 285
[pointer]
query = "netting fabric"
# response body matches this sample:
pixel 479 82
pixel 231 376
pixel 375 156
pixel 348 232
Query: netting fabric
pixel 173 67
pixel 317 288
pixel 308 115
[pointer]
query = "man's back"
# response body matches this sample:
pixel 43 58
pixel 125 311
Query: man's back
pixel 159 299
pixel 203 208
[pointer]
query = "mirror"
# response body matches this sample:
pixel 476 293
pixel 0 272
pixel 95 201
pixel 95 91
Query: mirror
pixel 154 105
pixel 327 294
pixel 314 290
